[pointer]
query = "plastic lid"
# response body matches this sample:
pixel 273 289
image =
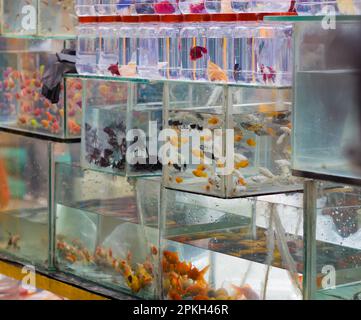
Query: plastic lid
pixel 88 19
pixel 110 19
pixel 224 17
pixel 130 19
pixel 195 17
pixel 171 18
pixel 148 18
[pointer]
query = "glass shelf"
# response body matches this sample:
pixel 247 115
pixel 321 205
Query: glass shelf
pixel 178 81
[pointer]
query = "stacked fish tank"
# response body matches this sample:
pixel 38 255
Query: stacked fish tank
pixel 22 105
pixel 37 17
pixel 27 180
pixel 332 264
pixel 121 124
pixel 228 141
pixel 327 99
pixel 106 229
pixel 234 249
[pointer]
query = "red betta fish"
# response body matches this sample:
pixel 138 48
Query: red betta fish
pixel 197 8
pixel 197 52
pixel 164 7
pixel 114 69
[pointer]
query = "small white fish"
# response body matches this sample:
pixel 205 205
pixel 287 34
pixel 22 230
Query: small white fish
pixel 286 130
pixel 239 157
pixel 265 172
pixel 281 139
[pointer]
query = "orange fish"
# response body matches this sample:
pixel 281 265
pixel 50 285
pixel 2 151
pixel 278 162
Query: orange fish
pixel 154 250
pixel 4 186
pixel 241 164
pixel 183 268
pixel 172 257
pixel 179 180
pixel 242 182
pixel 197 289
pixel 251 142
pixel 215 73
pixel 200 173
pixel 200 297
pixel 238 137
pixel 45 123
pixel 173 295
pixel 196 275
pixel 214 120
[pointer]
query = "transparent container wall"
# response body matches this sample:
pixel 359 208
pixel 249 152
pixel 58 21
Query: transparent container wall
pixel 260 5
pixel 85 7
pixel 192 6
pixel 26 169
pixel 87 50
pixel 57 18
pixel 20 17
pixel 337 260
pixel 113 110
pixel 328 7
pixel 327 98
pixel 243 249
pixel 255 156
pixel 107 229
pixel 22 105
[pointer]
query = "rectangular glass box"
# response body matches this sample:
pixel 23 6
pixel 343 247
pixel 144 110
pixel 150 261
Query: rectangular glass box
pixel 121 122
pixel 231 249
pixel 228 141
pixel 332 235
pixel 107 229
pixel 38 17
pixel 326 117
pixel 22 105
pixel 26 191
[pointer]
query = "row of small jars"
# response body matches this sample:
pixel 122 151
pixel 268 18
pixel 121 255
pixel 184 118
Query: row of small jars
pixel 139 7
pixel 246 52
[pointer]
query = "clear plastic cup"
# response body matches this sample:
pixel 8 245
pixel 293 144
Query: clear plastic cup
pixel 87 48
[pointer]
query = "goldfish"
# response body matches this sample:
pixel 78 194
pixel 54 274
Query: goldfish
pixel 71 258
pixel 183 268
pixel 49 116
pixel 143 276
pixel 197 52
pixel 55 127
pixel 61 112
pixel 238 137
pixel 245 292
pixel 241 164
pixel 201 167
pixel 153 250
pixel 74 128
pixel 200 173
pixel 251 142
pixel 197 289
pixel 200 297
pixel 174 295
pixel 22 119
pixel 242 182
pixel 4 186
pixel 214 120
pixel 215 73
pixel 133 283
pixel 45 123
pixel 179 179
pixel 171 257
pixel 196 275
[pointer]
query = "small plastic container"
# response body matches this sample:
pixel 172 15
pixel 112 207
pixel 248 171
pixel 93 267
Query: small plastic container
pixel 128 47
pixel 87 48
pixel 144 7
pixel 105 7
pixel 220 46
pixel 169 53
pixel 85 7
pixel 109 49
pixel 273 54
pixel 124 7
pixel 244 57
pixel 148 51
pixel 194 52
pixel 192 6
pixel 261 5
pixel 166 7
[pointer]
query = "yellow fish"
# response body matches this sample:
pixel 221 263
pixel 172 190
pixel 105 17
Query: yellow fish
pixel 200 174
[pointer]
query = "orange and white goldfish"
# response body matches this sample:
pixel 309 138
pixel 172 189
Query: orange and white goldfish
pixel 200 173
pixel 251 142
pixel 245 292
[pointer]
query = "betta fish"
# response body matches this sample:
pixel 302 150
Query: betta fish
pixel 197 52
pixel 197 8
pixel 164 7
pixel 114 69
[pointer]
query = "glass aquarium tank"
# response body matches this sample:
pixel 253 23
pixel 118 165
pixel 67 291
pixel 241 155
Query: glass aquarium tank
pixel 333 255
pixel 38 17
pixel 57 18
pixel 26 190
pixel 227 140
pixel 234 249
pixel 107 229
pixel 326 117
pixel 121 125
pixel 22 104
